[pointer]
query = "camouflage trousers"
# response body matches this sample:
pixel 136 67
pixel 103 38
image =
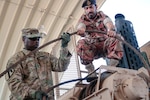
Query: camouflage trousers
pixel 89 49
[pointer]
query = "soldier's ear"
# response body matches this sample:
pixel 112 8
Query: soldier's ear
pixel 23 38
pixel 96 6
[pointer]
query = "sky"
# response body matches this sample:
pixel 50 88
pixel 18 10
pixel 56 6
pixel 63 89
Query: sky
pixel 136 11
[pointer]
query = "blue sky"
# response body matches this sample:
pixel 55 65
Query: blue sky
pixel 136 11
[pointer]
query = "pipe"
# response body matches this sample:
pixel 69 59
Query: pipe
pixel 50 42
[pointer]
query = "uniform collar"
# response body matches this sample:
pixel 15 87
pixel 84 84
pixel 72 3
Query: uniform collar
pixel 25 51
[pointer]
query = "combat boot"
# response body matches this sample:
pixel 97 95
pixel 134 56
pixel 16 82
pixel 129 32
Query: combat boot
pixel 90 68
pixel 113 62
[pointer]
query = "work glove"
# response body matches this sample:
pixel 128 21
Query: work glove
pixel 39 95
pixel 65 39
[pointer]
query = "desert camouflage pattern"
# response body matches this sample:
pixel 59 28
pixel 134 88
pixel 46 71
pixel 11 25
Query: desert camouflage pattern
pixel 95 45
pixel 34 73
pixel 31 33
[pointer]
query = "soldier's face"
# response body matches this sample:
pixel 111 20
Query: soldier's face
pixel 90 11
pixel 31 43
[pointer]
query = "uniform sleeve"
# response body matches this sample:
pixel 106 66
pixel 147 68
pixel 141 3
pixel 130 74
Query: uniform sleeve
pixel 19 89
pixel 61 64
pixel 107 22
pixel 81 25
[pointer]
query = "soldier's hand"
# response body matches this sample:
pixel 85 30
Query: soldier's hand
pixel 81 31
pixel 40 95
pixel 111 33
pixel 44 98
pixel 65 39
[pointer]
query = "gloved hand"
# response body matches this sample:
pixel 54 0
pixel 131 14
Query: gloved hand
pixel 65 39
pixel 39 95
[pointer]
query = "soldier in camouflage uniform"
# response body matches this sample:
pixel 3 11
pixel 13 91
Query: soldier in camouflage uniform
pixel 95 45
pixel 32 77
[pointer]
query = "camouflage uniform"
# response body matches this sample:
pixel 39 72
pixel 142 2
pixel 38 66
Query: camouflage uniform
pixel 34 73
pixel 96 45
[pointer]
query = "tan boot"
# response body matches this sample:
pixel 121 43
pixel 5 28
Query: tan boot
pixel 113 62
pixel 90 68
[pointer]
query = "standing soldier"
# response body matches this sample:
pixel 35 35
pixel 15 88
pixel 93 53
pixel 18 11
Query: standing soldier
pixel 31 79
pixel 95 45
